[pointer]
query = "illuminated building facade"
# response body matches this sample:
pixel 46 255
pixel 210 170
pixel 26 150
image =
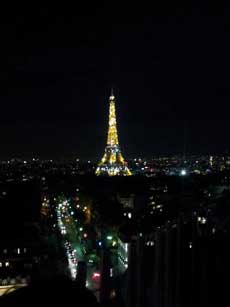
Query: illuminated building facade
pixel 112 163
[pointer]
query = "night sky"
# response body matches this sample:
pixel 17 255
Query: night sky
pixel 169 65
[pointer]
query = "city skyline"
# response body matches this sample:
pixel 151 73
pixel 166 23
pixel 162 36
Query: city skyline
pixel 115 154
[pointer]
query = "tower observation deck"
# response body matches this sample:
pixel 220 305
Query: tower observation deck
pixel 112 163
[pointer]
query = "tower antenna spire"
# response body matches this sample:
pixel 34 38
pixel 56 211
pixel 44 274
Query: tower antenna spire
pixel 112 93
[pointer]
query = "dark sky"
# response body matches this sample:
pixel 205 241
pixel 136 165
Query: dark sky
pixel 169 64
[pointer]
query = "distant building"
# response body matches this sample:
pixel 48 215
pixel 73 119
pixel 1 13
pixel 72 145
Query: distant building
pixel 25 251
pixel 126 200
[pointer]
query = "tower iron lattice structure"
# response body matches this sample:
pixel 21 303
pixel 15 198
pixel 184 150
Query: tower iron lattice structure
pixel 112 163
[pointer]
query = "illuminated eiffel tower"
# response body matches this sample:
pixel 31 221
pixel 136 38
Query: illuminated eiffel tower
pixel 112 163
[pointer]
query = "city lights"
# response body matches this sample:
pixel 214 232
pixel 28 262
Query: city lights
pixel 96 275
pixel 115 197
pixel 183 172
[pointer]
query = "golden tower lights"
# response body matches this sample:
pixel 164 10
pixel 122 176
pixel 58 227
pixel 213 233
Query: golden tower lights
pixel 112 163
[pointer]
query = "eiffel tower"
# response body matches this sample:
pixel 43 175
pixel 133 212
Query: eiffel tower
pixel 112 163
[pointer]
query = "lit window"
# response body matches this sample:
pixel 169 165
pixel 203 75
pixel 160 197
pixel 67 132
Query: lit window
pixel 18 251
pixel 0 264
pixel 7 264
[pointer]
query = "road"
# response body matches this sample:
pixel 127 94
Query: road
pixel 75 249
